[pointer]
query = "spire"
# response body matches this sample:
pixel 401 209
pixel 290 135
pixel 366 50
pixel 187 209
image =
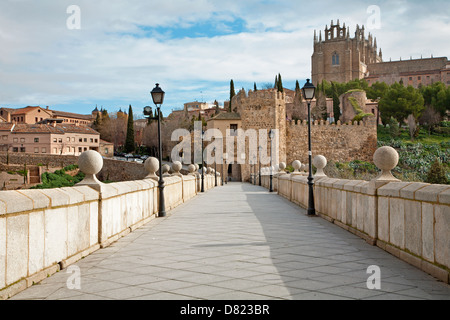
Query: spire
pixel 315 36
pixel 375 43
pixel 320 36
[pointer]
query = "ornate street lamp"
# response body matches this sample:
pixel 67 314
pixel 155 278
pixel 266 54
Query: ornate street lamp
pixel 158 99
pixel 271 136
pixel 309 92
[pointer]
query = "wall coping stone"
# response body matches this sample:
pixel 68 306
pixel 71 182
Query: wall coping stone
pixel 392 189
pixel 57 198
pixel 431 192
pixel 340 184
pixel 444 197
pixel 350 185
pixel 408 192
pixel 39 200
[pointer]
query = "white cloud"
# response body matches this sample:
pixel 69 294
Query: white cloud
pixel 112 59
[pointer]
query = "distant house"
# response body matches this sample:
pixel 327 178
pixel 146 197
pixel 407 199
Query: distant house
pixel 53 138
pixel 32 115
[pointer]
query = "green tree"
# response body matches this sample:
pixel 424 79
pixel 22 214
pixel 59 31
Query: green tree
pixel 129 141
pixel 336 103
pixel 280 84
pixel 275 86
pixel 437 96
pixel 232 93
pixel 400 101
pixel 254 87
pixel 377 91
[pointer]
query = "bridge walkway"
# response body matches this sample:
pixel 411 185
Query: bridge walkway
pixel 238 242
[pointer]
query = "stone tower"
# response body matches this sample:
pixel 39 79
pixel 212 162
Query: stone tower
pixel 338 57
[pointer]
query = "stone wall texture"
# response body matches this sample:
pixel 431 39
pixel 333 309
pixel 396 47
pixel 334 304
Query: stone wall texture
pixel 341 143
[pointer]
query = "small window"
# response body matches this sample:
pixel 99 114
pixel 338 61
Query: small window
pixel 44 150
pixel 22 139
pixel 106 150
pixel 55 140
pixel 60 140
pixel 92 140
pixel 96 140
pixel 22 149
pixel 68 139
pixel 55 150
pixel 80 140
pixel 73 139
pixel 233 129
pixel 335 59
pixel 36 150
pixel 85 139
pixel 15 140
pixel 15 149
pixel 36 139
pixel 4 137
pixel 80 149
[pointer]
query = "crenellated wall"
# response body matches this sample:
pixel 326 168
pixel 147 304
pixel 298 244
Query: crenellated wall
pixel 43 231
pixel 341 142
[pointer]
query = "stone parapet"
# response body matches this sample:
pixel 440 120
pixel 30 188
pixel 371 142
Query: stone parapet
pixel 43 231
pixel 408 219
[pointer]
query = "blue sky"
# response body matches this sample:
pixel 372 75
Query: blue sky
pixel 193 48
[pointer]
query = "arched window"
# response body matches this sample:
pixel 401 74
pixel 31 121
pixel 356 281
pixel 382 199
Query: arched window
pixel 335 59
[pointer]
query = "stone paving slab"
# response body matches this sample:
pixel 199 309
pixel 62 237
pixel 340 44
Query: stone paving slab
pixel 239 242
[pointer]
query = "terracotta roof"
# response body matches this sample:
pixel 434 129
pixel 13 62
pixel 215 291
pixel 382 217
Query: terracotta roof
pixel 71 115
pixel 46 128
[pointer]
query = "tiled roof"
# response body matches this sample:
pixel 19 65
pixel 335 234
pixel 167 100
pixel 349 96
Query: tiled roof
pixel 46 128
pixel 72 115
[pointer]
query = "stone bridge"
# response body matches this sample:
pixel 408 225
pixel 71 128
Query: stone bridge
pixel 236 241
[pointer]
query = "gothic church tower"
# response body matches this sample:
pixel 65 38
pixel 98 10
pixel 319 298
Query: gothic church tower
pixel 340 58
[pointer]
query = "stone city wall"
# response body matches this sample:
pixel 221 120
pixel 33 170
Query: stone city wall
pixel 43 231
pixel 407 219
pixel 342 142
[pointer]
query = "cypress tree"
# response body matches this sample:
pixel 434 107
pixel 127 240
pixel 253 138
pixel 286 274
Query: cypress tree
pixel 254 87
pixel 275 86
pixel 232 92
pixel 280 84
pixel 129 142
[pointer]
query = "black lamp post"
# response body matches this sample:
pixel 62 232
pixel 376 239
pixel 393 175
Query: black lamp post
pixel 203 166
pixel 158 99
pixel 215 167
pixel 271 135
pixel 259 148
pixel 308 93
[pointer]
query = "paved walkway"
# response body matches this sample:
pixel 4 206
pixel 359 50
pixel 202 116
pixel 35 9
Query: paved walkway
pixel 238 242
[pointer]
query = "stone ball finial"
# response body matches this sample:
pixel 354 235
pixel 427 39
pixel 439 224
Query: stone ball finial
pixel 282 166
pixel 90 163
pixel 320 162
pixel 196 166
pixel 151 165
pixel 176 167
pixel 191 168
pixel 297 165
pixel 165 168
pixel 208 170
pixel 386 158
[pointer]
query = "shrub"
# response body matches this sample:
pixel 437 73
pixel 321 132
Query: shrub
pixel 437 173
